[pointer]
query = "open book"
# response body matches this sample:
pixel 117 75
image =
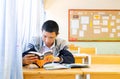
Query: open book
pixel 53 66
pixel 43 58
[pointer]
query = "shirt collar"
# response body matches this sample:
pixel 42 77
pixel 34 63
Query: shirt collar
pixel 51 46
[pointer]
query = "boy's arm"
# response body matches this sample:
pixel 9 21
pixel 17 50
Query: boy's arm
pixel 66 57
pixel 28 58
pixel 26 52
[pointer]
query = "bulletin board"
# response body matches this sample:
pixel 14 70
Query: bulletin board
pixel 94 25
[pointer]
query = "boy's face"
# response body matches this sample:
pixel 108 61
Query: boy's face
pixel 48 38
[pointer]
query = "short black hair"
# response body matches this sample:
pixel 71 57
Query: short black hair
pixel 50 26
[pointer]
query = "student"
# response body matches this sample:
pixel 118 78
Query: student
pixel 48 41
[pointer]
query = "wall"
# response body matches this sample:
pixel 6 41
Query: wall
pixel 58 11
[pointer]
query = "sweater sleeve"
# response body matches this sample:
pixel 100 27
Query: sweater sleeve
pixel 66 56
pixel 32 46
pixel 26 52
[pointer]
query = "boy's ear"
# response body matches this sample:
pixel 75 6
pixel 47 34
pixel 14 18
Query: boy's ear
pixel 57 34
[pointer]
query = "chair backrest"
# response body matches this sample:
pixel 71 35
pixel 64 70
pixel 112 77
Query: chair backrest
pixel 73 48
pixel 87 50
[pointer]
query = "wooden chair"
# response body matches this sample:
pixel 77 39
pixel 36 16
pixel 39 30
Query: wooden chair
pixel 83 53
pixel 73 48
pixel 87 50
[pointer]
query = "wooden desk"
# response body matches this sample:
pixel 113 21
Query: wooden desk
pixel 105 59
pixel 102 71
pixel 82 58
pixel 95 71
pixel 52 74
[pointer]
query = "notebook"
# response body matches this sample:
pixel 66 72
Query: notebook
pixel 52 66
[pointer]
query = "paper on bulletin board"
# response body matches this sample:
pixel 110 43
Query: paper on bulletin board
pixel 113 30
pixel 118 34
pixel 113 17
pixel 74 31
pixel 118 27
pixel 97 31
pixel 111 35
pixel 84 20
pixel 84 27
pixel 81 33
pixel 112 23
pixel 96 16
pixel 105 17
pixel 105 22
pixel 96 22
pixel 104 29
pixel 75 23
pixel 118 21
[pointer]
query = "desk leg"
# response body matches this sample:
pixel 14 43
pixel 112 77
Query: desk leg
pixel 87 60
pixel 78 76
pixel 83 61
pixel 87 76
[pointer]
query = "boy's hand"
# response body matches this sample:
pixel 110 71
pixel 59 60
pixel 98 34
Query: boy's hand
pixel 48 58
pixel 56 59
pixel 51 58
pixel 29 58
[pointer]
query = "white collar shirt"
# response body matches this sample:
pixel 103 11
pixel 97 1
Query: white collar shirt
pixel 45 48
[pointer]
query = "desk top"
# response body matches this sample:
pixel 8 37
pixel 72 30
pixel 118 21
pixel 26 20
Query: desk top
pixel 52 72
pixel 102 69
pixel 93 69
